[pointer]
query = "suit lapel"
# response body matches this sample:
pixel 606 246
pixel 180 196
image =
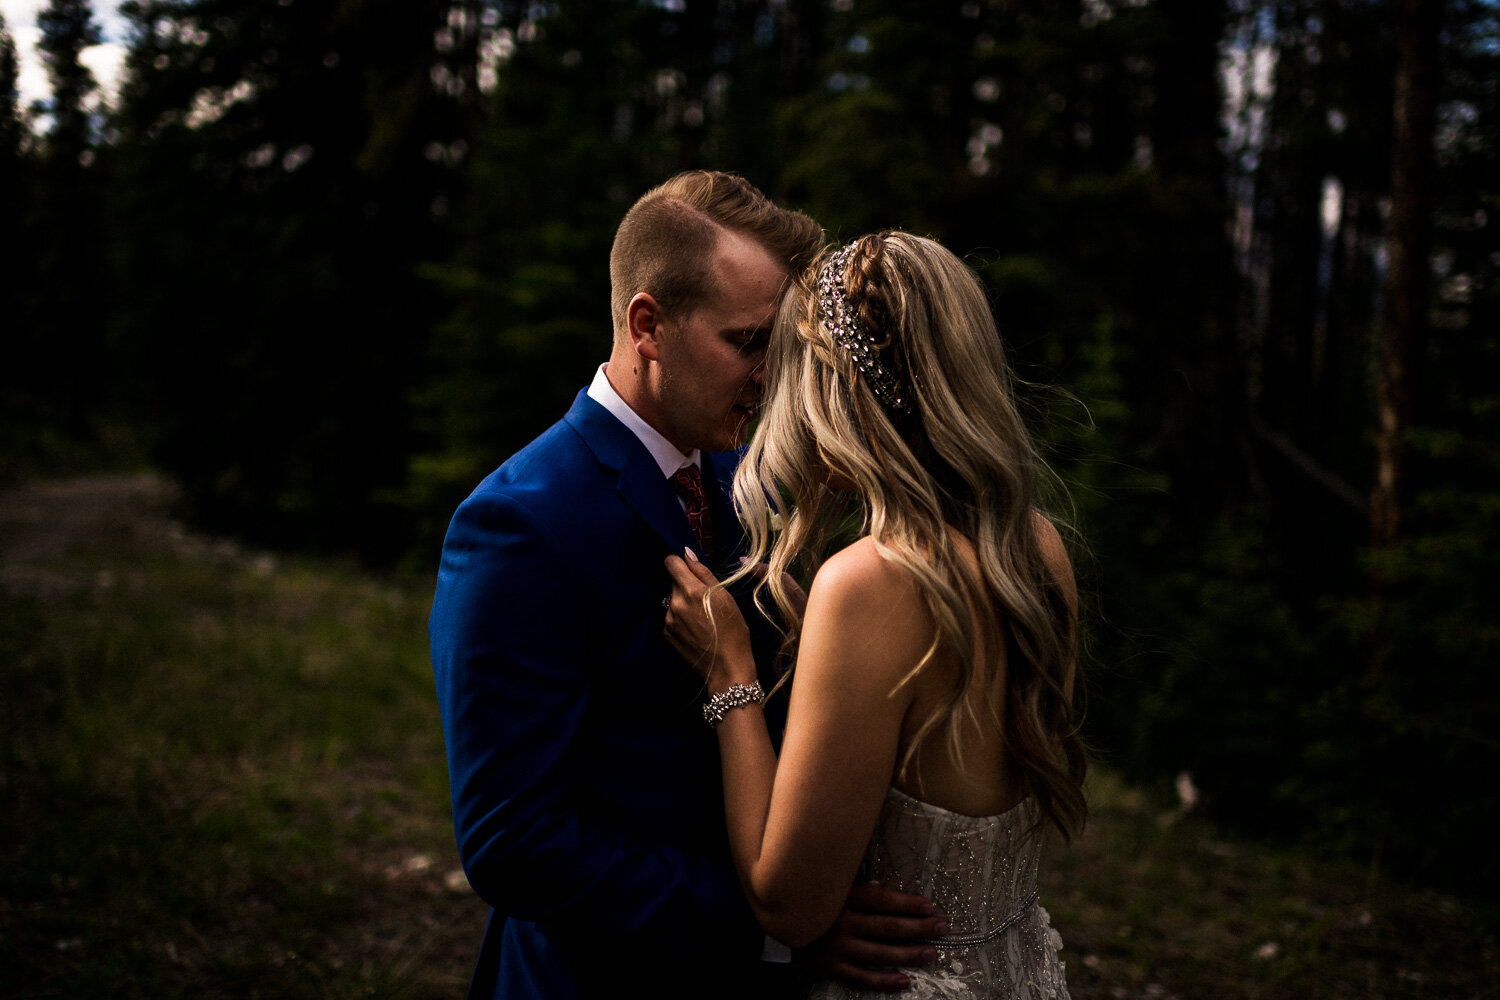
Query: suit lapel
pixel 640 484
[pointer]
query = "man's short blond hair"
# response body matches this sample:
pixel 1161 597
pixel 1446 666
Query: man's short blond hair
pixel 665 244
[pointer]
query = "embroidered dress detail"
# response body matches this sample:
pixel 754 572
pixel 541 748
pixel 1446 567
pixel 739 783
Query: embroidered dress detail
pixel 955 941
pixel 980 872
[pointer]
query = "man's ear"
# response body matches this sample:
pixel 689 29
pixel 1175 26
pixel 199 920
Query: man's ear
pixel 644 322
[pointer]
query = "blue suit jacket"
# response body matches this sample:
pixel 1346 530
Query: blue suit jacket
pixel 586 789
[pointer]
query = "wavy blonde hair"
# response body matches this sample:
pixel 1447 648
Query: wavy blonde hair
pixel 960 457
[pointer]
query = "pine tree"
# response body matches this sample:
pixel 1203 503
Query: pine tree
pixel 12 132
pixel 284 169
pixel 67 28
pixel 11 126
pixel 1408 279
pixel 14 398
pixel 61 344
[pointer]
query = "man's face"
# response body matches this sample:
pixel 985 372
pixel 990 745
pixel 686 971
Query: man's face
pixel 713 360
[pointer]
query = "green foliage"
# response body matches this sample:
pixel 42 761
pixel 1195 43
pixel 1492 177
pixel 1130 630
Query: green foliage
pixel 855 153
pixel 1422 705
pixel 280 167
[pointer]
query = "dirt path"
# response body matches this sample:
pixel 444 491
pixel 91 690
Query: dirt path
pixel 45 522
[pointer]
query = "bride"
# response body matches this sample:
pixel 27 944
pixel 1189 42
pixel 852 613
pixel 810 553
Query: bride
pixel 930 737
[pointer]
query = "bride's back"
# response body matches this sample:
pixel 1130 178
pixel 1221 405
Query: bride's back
pixel 977 776
pixel 985 784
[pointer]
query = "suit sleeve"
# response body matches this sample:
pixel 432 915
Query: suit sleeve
pixel 512 663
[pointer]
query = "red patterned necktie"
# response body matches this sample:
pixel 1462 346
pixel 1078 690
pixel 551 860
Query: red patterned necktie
pixel 688 482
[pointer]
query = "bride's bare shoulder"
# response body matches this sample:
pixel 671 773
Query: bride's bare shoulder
pixel 1055 554
pixel 861 571
pixel 863 595
pixel 866 622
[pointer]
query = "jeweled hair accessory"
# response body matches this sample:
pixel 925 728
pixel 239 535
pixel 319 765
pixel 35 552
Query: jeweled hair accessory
pixel 850 333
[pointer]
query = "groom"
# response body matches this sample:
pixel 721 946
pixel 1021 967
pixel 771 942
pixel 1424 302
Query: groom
pixel 586 791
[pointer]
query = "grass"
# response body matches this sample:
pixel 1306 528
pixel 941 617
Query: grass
pixel 1157 902
pixel 221 775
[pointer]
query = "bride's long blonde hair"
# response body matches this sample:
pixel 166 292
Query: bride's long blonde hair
pixel 954 452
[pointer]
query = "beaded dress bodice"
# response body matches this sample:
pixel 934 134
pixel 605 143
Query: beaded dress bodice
pixel 981 873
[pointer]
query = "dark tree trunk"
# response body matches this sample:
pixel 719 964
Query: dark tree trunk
pixel 1407 282
pixel 1407 279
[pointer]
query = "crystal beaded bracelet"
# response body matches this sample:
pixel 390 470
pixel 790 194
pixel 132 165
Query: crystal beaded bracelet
pixel 736 696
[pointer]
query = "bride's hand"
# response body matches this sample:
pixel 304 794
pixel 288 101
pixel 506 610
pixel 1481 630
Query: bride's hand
pixel 718 649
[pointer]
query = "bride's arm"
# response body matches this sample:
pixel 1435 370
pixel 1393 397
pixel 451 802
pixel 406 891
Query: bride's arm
pixel 799 828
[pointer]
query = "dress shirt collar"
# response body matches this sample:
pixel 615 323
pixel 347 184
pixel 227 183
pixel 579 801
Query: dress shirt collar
pixel 663 451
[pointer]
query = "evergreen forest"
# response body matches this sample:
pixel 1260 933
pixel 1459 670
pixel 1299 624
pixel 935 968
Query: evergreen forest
pixel 326 263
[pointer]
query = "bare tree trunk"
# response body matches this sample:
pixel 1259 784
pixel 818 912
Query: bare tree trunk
pixel 1407 277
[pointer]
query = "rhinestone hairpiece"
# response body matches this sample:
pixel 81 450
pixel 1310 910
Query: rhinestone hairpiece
pixel 850 333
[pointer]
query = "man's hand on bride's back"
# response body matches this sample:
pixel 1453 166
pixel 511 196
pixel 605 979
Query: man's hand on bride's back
pixel 875 935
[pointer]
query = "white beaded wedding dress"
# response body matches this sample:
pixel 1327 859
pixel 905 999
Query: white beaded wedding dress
pixel 981 873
